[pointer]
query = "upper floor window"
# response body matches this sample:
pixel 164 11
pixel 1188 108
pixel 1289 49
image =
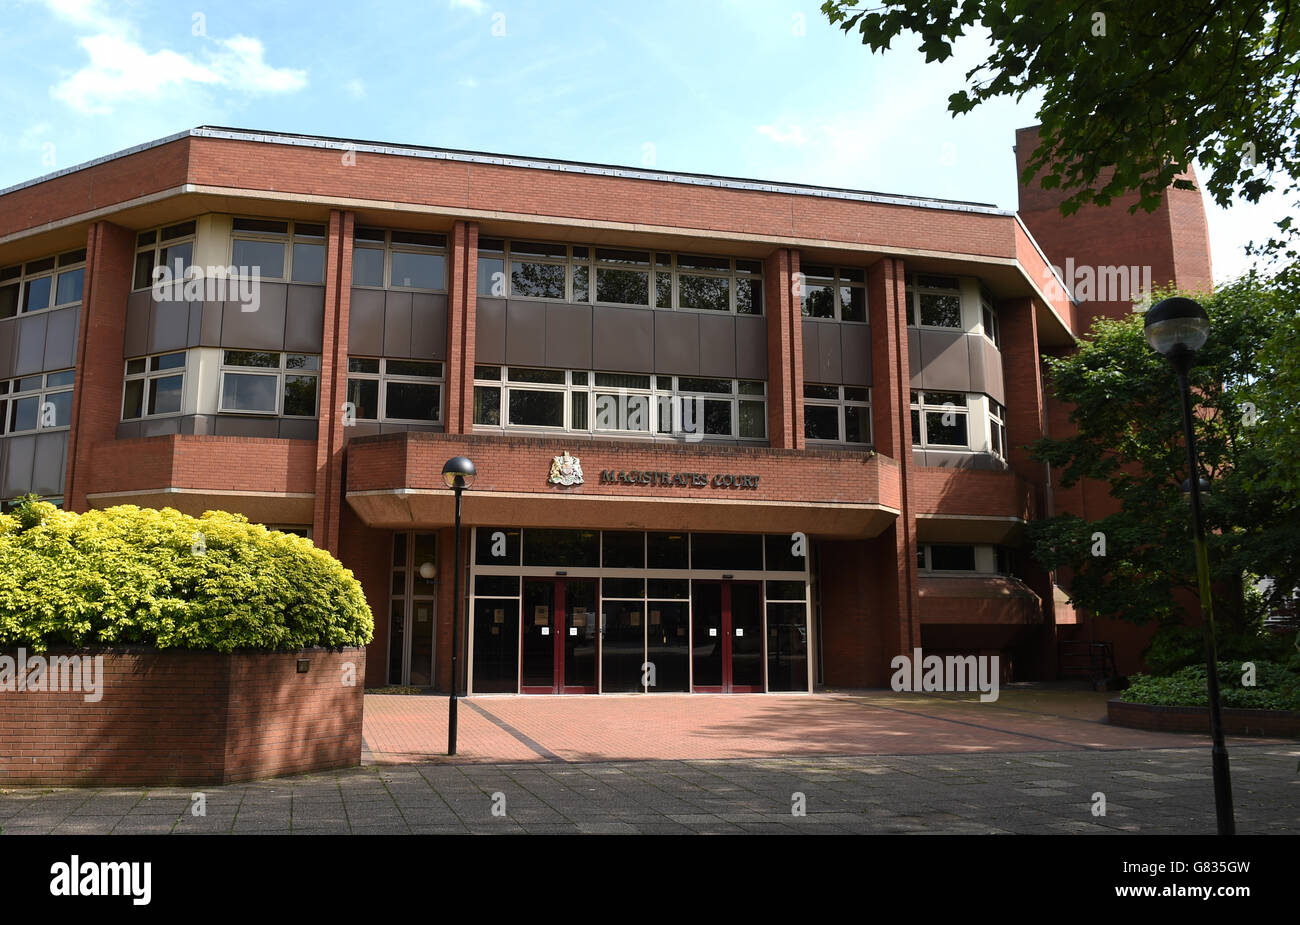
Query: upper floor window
pixel 965 557
pixel 399 260
pixel 153 386
pixel 616 276
pixel 989 318
pixel 35 403
pixel 837 413
pixel 628 403
pixel 290 251
pixel 382 389
pixel 171 246
pixel 255 382
pixel 939 419
pixel 834 292
pixel 934 302
pixel 41 284
pixel 998 429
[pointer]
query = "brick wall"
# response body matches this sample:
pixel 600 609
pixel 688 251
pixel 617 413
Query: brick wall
pixel 189 718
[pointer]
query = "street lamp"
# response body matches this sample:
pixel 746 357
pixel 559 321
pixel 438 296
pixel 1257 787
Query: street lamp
pixel 458 474
pixel 1177 328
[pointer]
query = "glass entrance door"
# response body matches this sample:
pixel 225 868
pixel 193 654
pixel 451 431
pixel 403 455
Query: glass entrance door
pixel 727 640
pixel 560 636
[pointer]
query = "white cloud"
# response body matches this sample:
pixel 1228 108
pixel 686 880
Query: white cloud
pixel 476 6
pixel 791 135
pixel 469 82
pixel 355 88
pixel 120 68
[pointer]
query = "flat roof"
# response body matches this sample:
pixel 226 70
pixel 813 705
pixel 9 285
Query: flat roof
pixel 533 163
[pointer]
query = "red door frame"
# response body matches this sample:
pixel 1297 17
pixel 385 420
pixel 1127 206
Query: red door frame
pixel 559 632
pixel 727 630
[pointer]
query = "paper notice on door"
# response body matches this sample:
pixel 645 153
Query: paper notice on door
pixel 541 615
pixel 546 631
pixel 634 618
pixel 579 616
pixel 499 615
pixel 573 631
pixel 654 618
pixel 740 631
pixel 713 631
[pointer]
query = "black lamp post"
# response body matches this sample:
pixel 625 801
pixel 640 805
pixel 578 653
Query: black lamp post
pixel 1177 328
pixel 458 474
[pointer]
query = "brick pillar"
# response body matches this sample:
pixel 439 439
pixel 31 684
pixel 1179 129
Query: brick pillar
pixel 97 389
pixel 333 382
pixel 784 350
pixel 462 301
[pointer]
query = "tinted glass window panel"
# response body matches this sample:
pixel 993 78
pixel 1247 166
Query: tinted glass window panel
pixel 257 359
pixel 496 585
pixel 781 554
pixel 609 255
pixel 132 367
pixel 916 427
pixel 818 301
pixel 536 409
pixel 523 374
pixel 787 647
pixel 710 293
pixel 247 392
pixel 753 420
pixel 414 368
pixel 831 392
pixel 562 548
pixel 785 590
pixel 726 551
pixel 666 550
pixel 496 646
pixel 363 365
pixel 537 280
pixel 623 587
pixel 717 418
pixel 853 303
pixel 300 396
pixel 952 558
pixel 821 422
pixel 673 589
pixel 63 377
pixel 857 424
pixel 367 266
pixel 663 290
pixel 623 549
pixel 689 262
pixel 578 411
pixel 749 297
pixel 263 257
pixel 536 249
pixel 945 428
pixel 497 546
pixel 37 294
pixel 487 405
pixel 259 225
pixel 8 301
pixel 167 361
pixel 182 254
pixel 70 286
pixel 709 386
pixel 132 399
pixel 165 395
pixel 582 283
pixel 629 287
pixel 364 396
pixel 492 277
pixel 301 361
pixel 309 263
pixel 412 401
pixel 940 311
pixel 23 414
pixel 418 271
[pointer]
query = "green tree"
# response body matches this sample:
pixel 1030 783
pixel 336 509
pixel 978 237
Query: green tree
pixel 1129 435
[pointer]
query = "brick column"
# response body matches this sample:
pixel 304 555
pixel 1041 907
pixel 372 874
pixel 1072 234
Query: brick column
pixel 97 389
pixel 333 382
pixel 784 350
pixel 462 301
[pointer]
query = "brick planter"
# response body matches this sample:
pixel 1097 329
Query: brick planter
pixel 1197 719
pixel 177 717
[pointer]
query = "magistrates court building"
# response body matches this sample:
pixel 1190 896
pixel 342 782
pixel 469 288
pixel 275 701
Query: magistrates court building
pixel 761 436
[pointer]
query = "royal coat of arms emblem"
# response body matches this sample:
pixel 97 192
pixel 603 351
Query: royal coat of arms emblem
pixel 566 470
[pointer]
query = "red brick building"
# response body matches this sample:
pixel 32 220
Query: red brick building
pixel 758 436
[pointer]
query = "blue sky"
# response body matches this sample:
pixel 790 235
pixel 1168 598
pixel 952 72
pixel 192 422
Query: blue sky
pixel 752 88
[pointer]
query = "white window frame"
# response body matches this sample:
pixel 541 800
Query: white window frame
pixel 148 376
pixel 998 429
pixel 840 402
pixel 289 237
pixel 277 373
pixel 915 289
pixel 383 377
pixel 159 243
pixel 389 247
pixel 22 276
pixel 839 280
pixel 42 394
pixel 925 407
pixel 989 313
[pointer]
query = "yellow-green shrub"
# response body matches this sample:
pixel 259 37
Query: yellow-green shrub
pixel 129 575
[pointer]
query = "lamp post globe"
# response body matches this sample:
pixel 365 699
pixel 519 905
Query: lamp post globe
pixel 1176 328
pixel 458 472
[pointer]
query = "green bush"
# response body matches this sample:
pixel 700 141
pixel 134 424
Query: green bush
pixel 1175 646
pixel 1277 687
pixel 129 575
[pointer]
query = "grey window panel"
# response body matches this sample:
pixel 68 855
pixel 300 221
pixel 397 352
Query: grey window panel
pixel 490 331
pixel 623 339
pixel 718 346
pixel 47 466
pixel 169 327
pixel 677 343
pixel 19 455
pixel 751 348
pixel 830 356
pixel 428 326
pixel 128 430
pixel 210 324
pixel 304 319
pixel 291 429
pixel 945 361
pixel 914 357
pixel 366 323
pixel 993 381
pixel 136 336
pixel 8 331
pixel 258 330
pixel 158 427
pixel 525 333
pixel 855 347
pixel 811 351
pixel 30 356
pixel 195 333
pixel 232 426
pixel 397 324
pixel 199 424
pixel 568 337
